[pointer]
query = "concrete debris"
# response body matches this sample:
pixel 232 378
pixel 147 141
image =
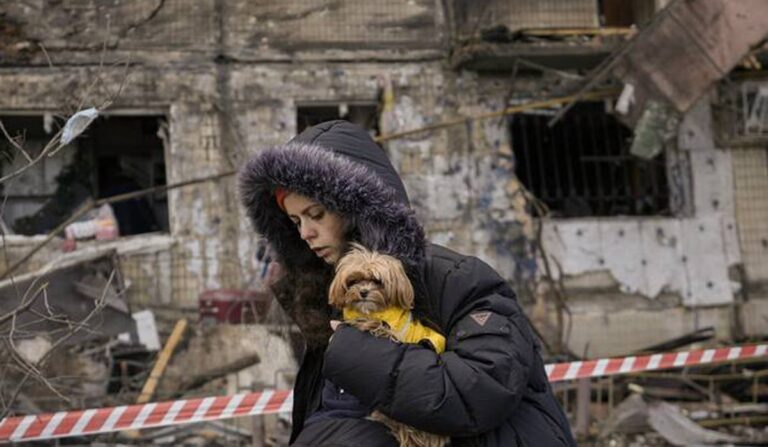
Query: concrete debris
pixel 204 434
pixel 676 428
pixel 54 298
pixel 697 336
pixel 80 376
pixel 195 379
pixel 238 347
pixel 634 415
pixel 33 349
pixel 146 331
pixel 630 416
pixel 626 99
pixel 656 126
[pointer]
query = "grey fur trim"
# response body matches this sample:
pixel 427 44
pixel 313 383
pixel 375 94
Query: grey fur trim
pixel 342 185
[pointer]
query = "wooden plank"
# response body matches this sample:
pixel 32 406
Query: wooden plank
pixel 605 31
pixel 162 361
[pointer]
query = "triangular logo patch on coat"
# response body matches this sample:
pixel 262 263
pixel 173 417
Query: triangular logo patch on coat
pixel 480 317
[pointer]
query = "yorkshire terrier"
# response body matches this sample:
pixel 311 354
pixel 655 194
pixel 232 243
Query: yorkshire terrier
pixel 375 295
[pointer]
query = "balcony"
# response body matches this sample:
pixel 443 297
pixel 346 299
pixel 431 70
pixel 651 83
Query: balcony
pixel 494 35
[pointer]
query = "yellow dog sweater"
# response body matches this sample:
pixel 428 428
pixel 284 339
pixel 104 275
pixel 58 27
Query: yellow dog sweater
pixel 403 326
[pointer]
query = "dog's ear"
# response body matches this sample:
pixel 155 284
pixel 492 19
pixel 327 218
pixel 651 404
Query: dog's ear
pixel 397 285
pixel 338 288
pixel 336 292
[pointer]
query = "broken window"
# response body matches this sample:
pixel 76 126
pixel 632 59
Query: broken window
pixel 364 115
pixel 741 114
pixel 582 165
pixel 115 155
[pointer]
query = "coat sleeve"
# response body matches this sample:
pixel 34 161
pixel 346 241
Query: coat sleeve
pixel 470 388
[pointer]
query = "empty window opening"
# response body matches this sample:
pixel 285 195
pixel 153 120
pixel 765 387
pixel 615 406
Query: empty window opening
pixel 364 115
pixel 115 155
pixel 582 165
pixel 625 13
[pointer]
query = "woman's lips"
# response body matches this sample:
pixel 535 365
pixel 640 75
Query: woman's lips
pixel 322 252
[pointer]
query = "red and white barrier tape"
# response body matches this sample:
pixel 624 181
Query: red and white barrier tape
pixel 609 367
pixel 129 417
pixel 159 414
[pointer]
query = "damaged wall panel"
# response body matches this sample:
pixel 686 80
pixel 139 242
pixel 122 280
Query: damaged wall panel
pixel 712 174
pixel 648 256
pixel 688 48
pixel 78 29
pixel 310 24
pixel 167 31
pixel 687 256
pixel 459 177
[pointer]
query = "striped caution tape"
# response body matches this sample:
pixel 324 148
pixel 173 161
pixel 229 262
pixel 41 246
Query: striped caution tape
pixel 159 414
pixel 609 367
pixel 130 417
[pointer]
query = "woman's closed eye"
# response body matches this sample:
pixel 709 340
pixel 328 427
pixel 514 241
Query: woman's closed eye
pixel 314 215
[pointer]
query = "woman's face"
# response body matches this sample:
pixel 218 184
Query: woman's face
pixel 321 229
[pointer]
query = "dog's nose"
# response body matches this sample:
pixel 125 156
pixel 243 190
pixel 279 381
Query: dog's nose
pixel 363 293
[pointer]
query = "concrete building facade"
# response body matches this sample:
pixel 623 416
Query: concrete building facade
pixel 216 80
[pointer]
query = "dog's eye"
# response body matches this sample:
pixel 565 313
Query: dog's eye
pixel 377 281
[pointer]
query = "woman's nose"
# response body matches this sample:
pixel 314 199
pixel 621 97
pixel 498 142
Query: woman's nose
pixel 307 232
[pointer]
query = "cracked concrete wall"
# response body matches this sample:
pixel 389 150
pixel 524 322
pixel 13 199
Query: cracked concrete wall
pixel 162 31
pixel 671 275
pixel 205 219
pixel 461 179
pixel 227 91
pixel 688 256
pixel 452 175
pixel 217 112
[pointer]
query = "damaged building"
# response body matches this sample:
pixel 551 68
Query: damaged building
pixel 520 129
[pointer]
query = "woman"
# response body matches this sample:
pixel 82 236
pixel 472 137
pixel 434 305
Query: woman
pixel 332 185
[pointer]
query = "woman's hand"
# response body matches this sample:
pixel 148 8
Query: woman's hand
pixel 335 324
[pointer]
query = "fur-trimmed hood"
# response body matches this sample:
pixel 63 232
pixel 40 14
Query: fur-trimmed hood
pixel 337 164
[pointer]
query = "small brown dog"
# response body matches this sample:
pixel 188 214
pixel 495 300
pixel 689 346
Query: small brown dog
pixel 376 296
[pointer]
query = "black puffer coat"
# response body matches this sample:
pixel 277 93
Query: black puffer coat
pixel 488 388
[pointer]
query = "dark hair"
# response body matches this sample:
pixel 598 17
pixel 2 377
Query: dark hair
pixel 303 294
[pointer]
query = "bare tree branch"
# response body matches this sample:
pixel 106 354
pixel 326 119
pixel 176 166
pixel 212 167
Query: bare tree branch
pixel 33 369
pixel 28 313
pixel 14 143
